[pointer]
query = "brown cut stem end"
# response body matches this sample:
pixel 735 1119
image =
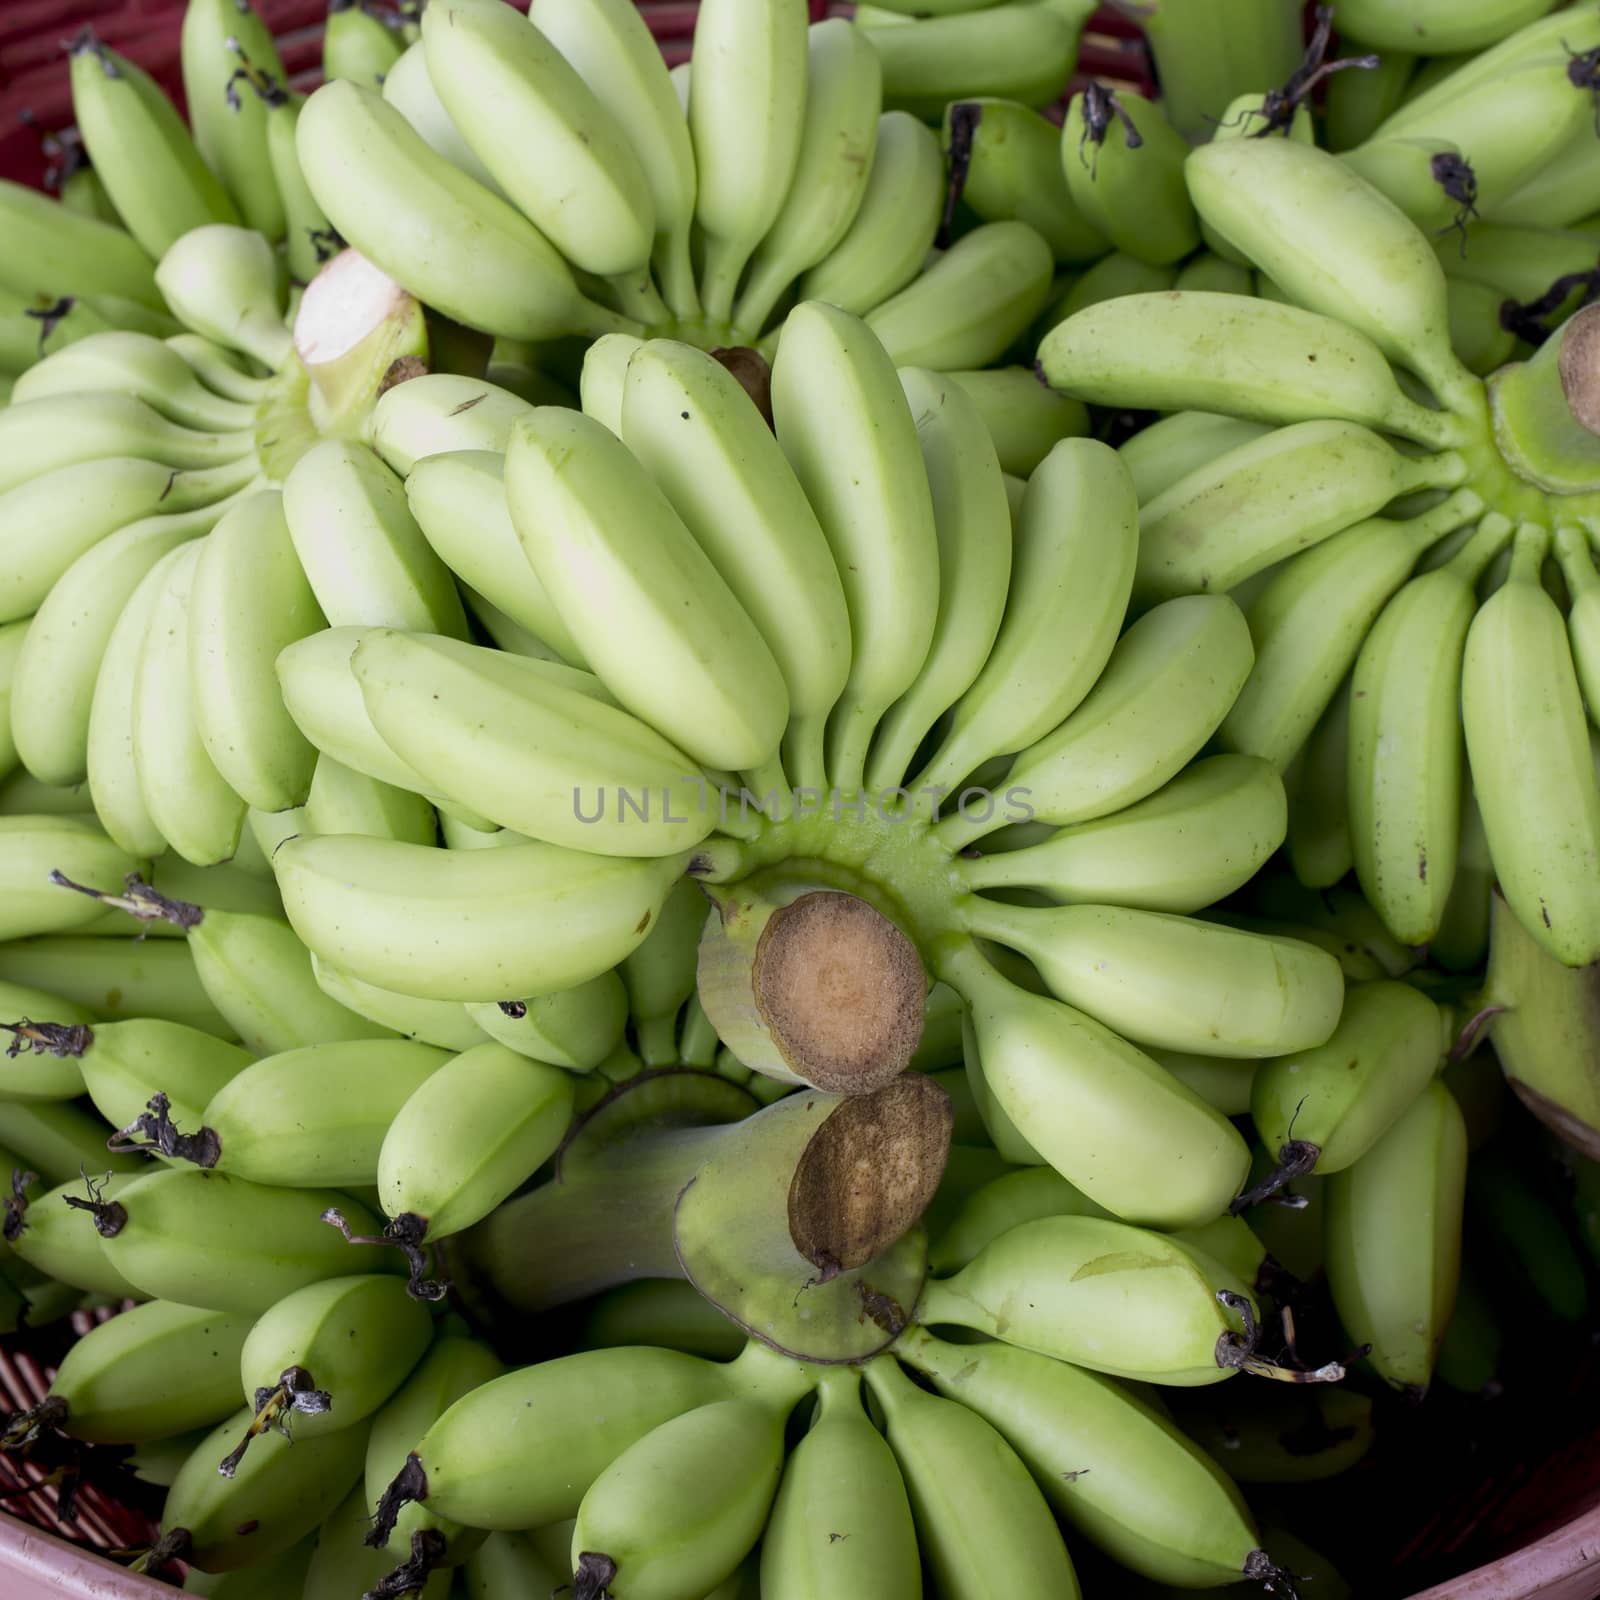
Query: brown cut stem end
pixel 841 990
pixel 1579 366
pixel 869 1173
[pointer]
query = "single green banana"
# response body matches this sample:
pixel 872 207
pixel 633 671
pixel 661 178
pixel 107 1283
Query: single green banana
pixel 469 1136
pixel 1173 982
pixel 32 850
pixel 1322 1109
pixel 281 1492
pixel 508 89
pixel 1191 843
pixel 1334 245
pixel 489 1461
pixel 656 622
pixel 531 745
pixel 154 1371
pixel 1023 52
pixel 1193 350
pixel 1056 1286
pixel 727 479
pixel 888 241
pixel 458 500
pixel 248 601
pixel 746 118
pixel 849 432
pixel 189 802
pixel 219 39
pixel 1030 1047
pixel 1166 687
pixel 355 1340
pixel 58 252
pixel 971 305
pixel 978 1514
pixel 483 264
pixel 259 1123
pixel 972 522
pixel 1394 1238
pixel 580 1027
pixel 359 43
pixel 1071 573
pixel 613 51
pixel 678 1511
pixel 1123 162
pixel 439 412
pixel 141 150
pixel 843 99
pixel 1293 488
pixel 1523 713
pixel 1405 751
pixel 208 1239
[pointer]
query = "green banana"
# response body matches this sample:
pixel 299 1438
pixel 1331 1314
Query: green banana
pixel 486 267
pixel 888 241
pixel 152 1372
pixel 1405 753
pixel 1173 982
pixel 1005 163
pixel 49 1235
pixel 1055 1286
pixel 1393 1228
pixel 659 977
pixel 1071 572
pixel 141 150
pixel 1523 712
pixel 972 304
pixel 358 1086
pixel 470 1135
pixel 1030 1048
pixel 249 600
pixel 746 122
pixel 845 424
pixel 576 1028
pixel 728 480
pixel 1123 162
pixel 458 500
pixel 1172 447
pixel 1323 1109
pixel 656 622
pixel 281 1491
pixel 57 252
pixel 978 1514
pixel 972 523
pixel 204 1238
pixel 115 978
pixel 343 801
pixel 442 411
pixel 435 1022
pixel 454 925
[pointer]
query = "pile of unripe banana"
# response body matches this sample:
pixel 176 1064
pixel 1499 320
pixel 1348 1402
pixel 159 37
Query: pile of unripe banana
pixel 769 832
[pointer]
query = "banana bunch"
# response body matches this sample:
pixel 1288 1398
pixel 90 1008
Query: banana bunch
pixel 799 169
pixel 1386 519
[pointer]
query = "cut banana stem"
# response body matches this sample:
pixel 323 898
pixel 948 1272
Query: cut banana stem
pixel 811 986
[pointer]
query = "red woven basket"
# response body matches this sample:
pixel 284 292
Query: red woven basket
pixel 1504 1492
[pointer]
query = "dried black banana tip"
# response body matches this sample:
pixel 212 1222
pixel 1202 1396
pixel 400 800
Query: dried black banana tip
pixel 405 1233
pixel 595 1574
pixel 1279 106
pixel 59 1039
pixel 1296 1158
pixel 408 1487
pixel 110 1217
pixel 1260 1568
pixel 295 1391
pixel 16 1204
pixel 411 1576
pixel 23 1428
pixel 152 1130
